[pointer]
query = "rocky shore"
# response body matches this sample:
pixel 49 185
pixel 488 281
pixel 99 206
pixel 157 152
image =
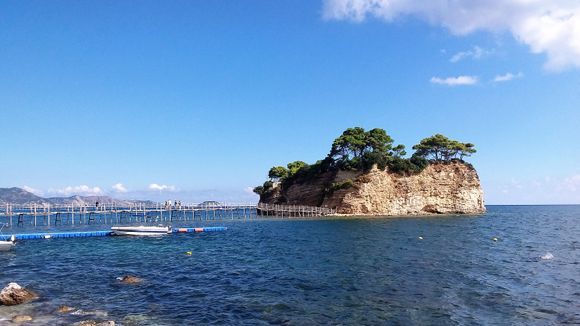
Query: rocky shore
pixel 21 308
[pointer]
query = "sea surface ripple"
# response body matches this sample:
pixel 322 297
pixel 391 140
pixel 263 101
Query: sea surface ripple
pixel 419 270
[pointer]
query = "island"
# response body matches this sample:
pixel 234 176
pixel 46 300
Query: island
pixel 366 174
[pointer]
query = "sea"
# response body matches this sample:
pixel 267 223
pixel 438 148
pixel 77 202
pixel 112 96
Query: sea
pixel 515 265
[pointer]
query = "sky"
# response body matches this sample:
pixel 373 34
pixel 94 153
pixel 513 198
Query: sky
pixel 196 100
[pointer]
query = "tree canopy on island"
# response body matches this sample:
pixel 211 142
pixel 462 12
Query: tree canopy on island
pixel 360 150
pixel 441 148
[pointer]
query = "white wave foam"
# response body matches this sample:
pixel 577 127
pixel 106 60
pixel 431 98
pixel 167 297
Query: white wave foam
pixel 547 256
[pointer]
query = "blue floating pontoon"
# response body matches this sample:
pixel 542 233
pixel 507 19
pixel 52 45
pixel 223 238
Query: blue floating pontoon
pixel 31 236
pixel 55 235
pixel 206 229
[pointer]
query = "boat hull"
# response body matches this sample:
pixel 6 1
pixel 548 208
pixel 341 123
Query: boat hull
pixel 141 230
pixel 6 245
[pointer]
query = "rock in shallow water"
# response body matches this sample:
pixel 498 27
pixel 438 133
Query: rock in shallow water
pixel 97 313
pixel 130 279
pixel 21 319
pixel 95 323
pixel 64 309
pixel 14 294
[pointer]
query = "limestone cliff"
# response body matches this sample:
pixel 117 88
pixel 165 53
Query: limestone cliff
pixel 442 188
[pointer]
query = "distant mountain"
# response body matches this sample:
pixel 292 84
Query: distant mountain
pixel 18 196
pixel 93 200
pixel 209 204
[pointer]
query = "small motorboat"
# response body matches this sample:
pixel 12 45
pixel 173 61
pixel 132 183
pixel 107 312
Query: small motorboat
pixel 6 245
pixel 141 230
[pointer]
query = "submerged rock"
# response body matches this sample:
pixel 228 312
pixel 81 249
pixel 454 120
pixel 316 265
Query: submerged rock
pixel 64 309
pixel 98 313
pixel 14 294
pixel 130 279
pixel 95 323
pixel 135 319
pixel 21 319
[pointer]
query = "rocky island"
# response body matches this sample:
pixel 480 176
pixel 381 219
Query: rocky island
pixel 365 174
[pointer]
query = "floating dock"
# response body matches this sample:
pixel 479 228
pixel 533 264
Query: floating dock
pixel 206 229
pixel 86 234
pixel 47 215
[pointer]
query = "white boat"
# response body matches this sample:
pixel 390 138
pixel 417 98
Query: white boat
pixel 6 245
pixel 141 230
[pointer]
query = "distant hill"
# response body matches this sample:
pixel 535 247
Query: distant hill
pixel 18 196
pixel 209 204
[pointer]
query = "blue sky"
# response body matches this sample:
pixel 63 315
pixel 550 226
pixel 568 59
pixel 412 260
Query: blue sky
pixel 196 100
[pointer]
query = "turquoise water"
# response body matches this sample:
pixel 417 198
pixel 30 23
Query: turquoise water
pixel 300 272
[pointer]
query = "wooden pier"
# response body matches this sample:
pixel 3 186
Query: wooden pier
pixel 293 211
pixel 51 215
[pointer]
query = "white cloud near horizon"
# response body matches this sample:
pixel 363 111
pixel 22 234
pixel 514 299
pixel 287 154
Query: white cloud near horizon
pixel 33 190
pixel 83 190
pixel 158 187
pixel 119 188
pixel 550 27
pixel 475 53
pixel 455 81
pixel 507 77
pixel 572 183
pixel 547 190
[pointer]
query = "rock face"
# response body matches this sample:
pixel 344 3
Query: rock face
pixel 442 188
pixel 14 294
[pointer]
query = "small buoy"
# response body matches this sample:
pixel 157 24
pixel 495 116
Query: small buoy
pixel 420 238
pixel 547 256
pixel 189 253
pixel 47 236
pixel 494 239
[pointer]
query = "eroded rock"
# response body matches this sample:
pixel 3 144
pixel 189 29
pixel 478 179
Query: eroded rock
pixel 130 279
pixel 442 188
pixel 14 294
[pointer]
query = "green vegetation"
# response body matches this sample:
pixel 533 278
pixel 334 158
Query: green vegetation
pixel 341 185
pixel 441 148
pixel 360 150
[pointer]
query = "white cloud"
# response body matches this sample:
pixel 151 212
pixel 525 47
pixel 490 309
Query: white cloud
pixel 551 27
pixel 572 183
pixel 249 190
pixel 455 81
pixel 119 187
pixel 545 190
pixel 33 190
pixel 77 190
pixel 475 53
pixel 158 187
pixel 507 77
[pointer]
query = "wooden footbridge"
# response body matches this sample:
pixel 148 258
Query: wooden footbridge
pixel 54 215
